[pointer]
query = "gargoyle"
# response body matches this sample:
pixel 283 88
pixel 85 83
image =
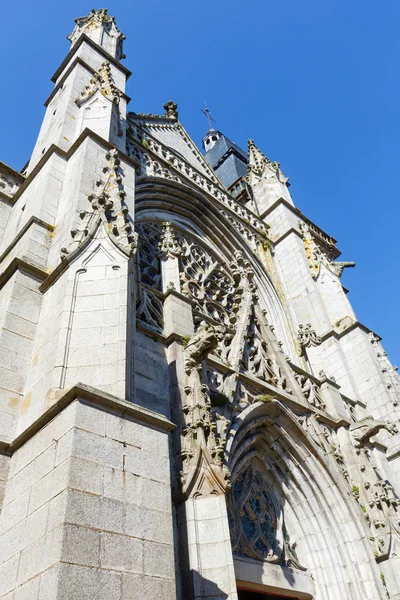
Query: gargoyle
pixel 364 430
pixel 204 341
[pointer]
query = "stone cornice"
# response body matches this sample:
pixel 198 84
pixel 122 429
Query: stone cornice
pixel 339 334
pixel 98 398
pixel 21 233
pixel 10 171
pixel 84 38
pixel 54 149
pixel 17 180
pixel 78 61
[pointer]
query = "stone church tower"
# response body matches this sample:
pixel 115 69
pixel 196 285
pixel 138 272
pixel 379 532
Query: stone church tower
pixel 190 408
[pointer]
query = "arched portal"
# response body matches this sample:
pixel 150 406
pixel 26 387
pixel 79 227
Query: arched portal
pixel 290 521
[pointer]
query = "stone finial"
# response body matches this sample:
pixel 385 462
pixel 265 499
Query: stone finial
pixel 171 109
pixel 258 164
pixel 100 27
pixel 168 245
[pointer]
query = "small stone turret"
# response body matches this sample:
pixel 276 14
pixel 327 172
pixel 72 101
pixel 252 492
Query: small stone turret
pixel 102 29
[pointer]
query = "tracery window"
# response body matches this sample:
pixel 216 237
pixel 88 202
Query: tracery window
pixel 256 521
pixel 254 517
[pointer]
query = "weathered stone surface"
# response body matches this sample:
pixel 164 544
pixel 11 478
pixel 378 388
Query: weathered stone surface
pixel 188 404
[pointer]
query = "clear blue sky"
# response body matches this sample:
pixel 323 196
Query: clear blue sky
pixel 316 84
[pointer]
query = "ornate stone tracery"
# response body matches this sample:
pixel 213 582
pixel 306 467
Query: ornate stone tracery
pixel 255 520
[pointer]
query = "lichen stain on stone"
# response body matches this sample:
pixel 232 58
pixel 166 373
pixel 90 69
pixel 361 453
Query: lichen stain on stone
pixel 53 396
pixel 26 402
pixel 13 402
pixel 35 359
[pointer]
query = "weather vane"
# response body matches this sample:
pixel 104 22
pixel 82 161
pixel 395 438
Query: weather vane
pixel 208 116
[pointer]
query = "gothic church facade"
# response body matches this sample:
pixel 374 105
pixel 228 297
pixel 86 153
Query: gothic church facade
pixel 189 407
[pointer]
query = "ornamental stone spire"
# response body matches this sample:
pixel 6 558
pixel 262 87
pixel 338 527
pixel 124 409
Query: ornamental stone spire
pixel 100 27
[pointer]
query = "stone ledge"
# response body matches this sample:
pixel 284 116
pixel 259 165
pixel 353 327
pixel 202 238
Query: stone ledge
pixel 54 149
pixel 21 233
pixel 325 238
pixel 274 579
pixel 21 264
pixel 393 453
pixel 78 61
pixel 84 38
pixel 89 395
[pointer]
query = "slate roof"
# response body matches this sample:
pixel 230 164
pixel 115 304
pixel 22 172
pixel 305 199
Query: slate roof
pixel 227 159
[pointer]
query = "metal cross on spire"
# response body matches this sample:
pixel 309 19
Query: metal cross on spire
pixel 208 116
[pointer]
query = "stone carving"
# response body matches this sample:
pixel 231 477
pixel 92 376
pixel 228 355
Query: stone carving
pixel 307 337
pixel 201 344
pixel 338 267
pixel 8 184
pixel 310 390
pixel 317 256
pixel 389 371
pixel 171 109
pixel 260 165
pixel 203 470
pixel 168 245
pixel 101 81
pixel 363 430
pixel 206 282
pixel 99 19
pixel 149 310
pixel 109 208
pixel 256 521
pixel 260 359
